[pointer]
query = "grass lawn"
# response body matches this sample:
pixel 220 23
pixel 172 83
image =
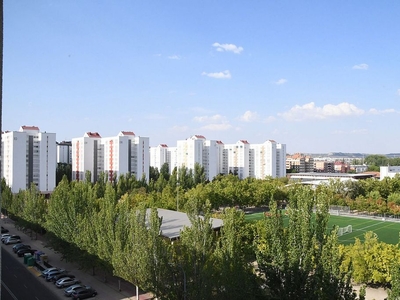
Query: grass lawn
pixel 387 231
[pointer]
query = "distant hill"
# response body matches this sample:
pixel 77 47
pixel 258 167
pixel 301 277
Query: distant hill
pixel 349 155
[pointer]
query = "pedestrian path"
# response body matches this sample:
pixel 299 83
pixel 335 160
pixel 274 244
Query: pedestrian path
pixel 109 289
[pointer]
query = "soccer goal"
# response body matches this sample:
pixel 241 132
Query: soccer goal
pixel 344 230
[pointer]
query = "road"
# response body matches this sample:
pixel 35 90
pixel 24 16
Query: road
pixel 19 283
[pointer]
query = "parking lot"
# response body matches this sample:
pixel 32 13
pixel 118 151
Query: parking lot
pixel 112 289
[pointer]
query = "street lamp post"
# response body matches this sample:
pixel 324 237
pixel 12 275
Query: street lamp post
pixel 177 196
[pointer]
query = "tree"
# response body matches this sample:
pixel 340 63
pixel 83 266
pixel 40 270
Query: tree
pixel 62 170
pixel 301 260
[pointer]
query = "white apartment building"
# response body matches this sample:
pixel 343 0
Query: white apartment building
pixel 238 159
pixel 242 159
pixel 114 156
pixel 87 155
pixel 29 156
pixel 64 152
pixel 190 151
pixel 158 156
pixel 267 159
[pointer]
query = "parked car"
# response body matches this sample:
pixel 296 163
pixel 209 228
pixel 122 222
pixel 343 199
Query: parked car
pixel 83 293
pixel 22 252
pixel 20 246
pixel 4 230
pixel 4 236
pixel 62 275
pixel 69 290
pixel 46 271
pixel 52 274
pixel 14 239
pixel 66 281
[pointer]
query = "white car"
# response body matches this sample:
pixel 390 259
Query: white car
pixel 48 270
pixel 66 281
pixel 4 236
pixel 14 239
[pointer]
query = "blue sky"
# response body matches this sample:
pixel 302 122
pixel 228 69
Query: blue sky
pixel 318 76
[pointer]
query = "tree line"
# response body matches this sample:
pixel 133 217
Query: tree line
pixel 108 224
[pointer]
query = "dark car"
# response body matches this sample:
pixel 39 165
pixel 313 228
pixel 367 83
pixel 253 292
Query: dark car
pixel 83 293
pixel 62 275
pixel 20 246
pixel 4 230
pixel 69 290
pixel 22 252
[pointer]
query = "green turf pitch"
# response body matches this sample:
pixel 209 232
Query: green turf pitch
pixel 387 231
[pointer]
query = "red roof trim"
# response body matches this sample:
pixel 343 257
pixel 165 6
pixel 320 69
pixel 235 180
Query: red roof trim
pixel 128 133
pixel 93 134
pixel 30 127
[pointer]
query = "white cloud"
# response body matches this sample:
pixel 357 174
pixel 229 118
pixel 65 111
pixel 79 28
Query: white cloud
pixel 228 47
pixel 374 111
pixel 249 116
pixel 219 75
pixel 208 119
pixel 176 57
pixel 360 67
pixel 217 127
pixel 310 111
pixel 353 131
pixel 213 123
pixel 280 81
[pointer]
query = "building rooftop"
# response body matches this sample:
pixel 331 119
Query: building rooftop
pixel 173 222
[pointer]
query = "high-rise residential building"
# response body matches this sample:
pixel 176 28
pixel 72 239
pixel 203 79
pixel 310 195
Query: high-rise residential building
pixel 64 152
pixel 267 159
pixel 29 156
pixel 242 159
pixel 123 154
pixel 158 156
pixel 238 159
pixel 190 151
pixel 87 156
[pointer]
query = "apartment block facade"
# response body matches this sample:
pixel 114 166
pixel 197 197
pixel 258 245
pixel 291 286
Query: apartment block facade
pixel 64 152
pixel 242 158
pixel 123 154
pixel 29 156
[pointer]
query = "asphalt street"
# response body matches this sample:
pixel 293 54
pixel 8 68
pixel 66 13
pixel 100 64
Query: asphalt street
pixel 19 282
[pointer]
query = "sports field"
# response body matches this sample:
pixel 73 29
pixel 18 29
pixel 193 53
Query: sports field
pixel 387 231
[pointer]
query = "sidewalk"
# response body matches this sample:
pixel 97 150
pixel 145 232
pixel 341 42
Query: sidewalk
pixel 110 290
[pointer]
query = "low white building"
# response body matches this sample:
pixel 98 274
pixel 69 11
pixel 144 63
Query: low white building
pixel 389 171
pixel 29 156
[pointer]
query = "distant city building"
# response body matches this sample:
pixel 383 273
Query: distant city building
pixel 300 163
pixel 29 156
pixel 389 171
pixel 341 167
pixel 119 155
pixel 359 168
pixel 64 152
pixel 324 166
